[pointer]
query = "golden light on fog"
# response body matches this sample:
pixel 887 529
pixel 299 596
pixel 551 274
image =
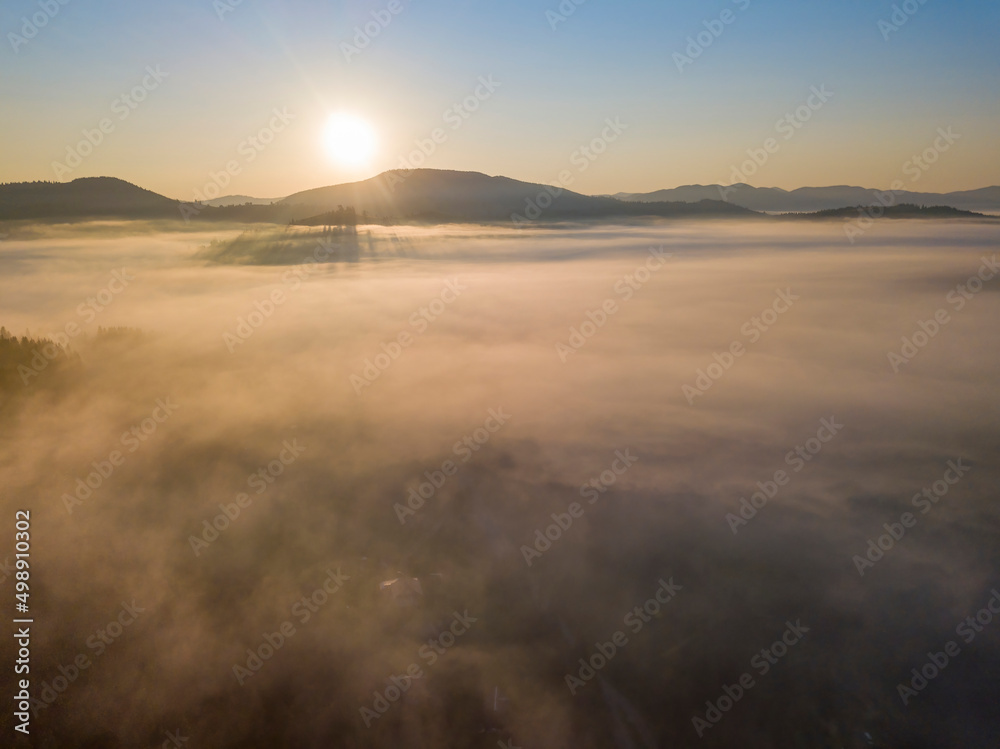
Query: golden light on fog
pixel 349 140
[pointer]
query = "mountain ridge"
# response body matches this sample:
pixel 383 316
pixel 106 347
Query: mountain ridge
pixel 810 199
pixel 475 196
pixel 454 196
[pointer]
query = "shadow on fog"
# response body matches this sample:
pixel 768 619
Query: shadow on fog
pixel 333 505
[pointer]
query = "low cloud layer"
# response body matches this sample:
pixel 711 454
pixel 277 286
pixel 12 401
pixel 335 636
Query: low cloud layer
pixel 534 458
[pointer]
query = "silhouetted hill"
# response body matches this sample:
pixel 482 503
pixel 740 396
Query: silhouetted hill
pixel 418 195
pixel 904 210
pixel 442 195
pixel 776 200
pixel 435 195
pixel 84 197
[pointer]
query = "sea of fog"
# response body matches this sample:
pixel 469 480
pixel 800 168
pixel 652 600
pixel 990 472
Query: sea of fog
pixel 657 485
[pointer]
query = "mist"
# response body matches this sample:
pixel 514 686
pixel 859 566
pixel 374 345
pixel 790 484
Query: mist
pixel 426 404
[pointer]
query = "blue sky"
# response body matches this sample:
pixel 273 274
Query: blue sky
pixel 557 87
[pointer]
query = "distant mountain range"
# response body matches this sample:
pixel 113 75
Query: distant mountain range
pixel 451 196
pixel 776 200
pixel 398 195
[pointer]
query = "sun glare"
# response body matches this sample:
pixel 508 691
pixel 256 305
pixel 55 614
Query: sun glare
pixel 349 140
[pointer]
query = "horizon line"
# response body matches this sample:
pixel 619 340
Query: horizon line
pixel 734 185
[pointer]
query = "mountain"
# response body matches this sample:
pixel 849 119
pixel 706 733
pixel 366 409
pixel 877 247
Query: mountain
pixel 776 200
pixel 444 195
pixel 240 200
pixel 86 196
pixel 902 210
pixel 421 194
pixel 447 196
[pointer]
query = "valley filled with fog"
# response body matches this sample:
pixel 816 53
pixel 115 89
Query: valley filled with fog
pixel 425 470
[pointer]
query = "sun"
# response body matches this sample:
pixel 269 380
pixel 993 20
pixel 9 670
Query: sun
pixel 349 140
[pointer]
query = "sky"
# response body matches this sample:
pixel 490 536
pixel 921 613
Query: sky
pixel 238 97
